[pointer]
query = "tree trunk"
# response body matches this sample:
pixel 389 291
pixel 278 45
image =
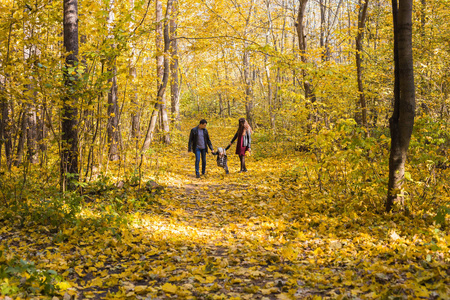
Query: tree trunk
pixel 113 116
pixel 163 65
pixel 163 75
pixel 166 74
pixel 30 126
pixel 322 27
pixel 310 97
pixel 32 134
pixel 402 120
pixel 113 106
pixel 301 31
pixel 219 94
pixel 270 98
pixel 175 88
pixel 42 133
pixel 135 109
pixel 69 139
pixel 5 129
pixel 248 87
pixel 227 83
pixel 359 49
pixel 135 115
pixel 22 136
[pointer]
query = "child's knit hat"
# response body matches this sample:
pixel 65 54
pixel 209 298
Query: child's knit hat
pixel 221 150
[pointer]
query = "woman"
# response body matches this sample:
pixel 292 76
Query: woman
pixel 244 141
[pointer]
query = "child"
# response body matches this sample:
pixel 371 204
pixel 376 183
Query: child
pixel 222 159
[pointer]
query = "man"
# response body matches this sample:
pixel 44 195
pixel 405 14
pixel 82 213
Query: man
pixel 198 143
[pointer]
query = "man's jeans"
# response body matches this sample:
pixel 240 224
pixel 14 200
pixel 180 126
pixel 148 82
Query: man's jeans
pixel 198 153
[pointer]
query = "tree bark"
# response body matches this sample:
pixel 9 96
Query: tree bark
pixel 270 98
pixel 323 7
pixel 5 129
pixel 359 49
pixel 247 73
pixel 310 96
pixel 301 32
pixel 135 110
pixel 69 139
pixel 163 65
pixel 30 126
pixel 135 115
pixel 402 120
pixel 163 75
pixel 22 136
pixel 248 86
pixel 113 106
pixel 175 87
pixel 32 134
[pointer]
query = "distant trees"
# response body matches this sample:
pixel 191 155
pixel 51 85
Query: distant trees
pixel 288 66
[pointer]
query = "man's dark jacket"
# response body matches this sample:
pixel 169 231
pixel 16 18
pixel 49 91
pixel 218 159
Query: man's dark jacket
pixel 193 137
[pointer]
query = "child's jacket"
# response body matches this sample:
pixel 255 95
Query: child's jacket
pixel 222 161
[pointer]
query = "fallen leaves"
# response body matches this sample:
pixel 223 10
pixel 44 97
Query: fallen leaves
pixel 244 236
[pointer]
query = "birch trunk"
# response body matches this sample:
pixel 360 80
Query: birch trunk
pixel 113 107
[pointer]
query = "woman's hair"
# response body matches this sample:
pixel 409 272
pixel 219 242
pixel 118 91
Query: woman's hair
pixel 244 127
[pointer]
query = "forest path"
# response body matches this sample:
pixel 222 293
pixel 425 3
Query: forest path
pixel 266 234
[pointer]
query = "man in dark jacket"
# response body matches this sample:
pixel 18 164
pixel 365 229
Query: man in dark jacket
pixel 198 143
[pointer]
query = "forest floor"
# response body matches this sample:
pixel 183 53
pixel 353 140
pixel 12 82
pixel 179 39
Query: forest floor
pixel 254 235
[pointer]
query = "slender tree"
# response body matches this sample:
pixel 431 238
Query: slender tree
pixel 270 97
pixel 69 145
pixel 135 113
pixel 247 72
pixel 5 128
pixel 175 82
pixel 309 91
pixel 402 120
pixel 113 107
pixel 163 66
pixel 359 49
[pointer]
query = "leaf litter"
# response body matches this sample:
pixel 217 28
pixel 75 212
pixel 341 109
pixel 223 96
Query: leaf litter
pixel 242 236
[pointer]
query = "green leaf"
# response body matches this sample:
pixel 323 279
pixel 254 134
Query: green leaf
pixel 408 176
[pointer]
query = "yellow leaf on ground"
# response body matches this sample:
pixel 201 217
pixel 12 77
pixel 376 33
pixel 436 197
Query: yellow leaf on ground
pixel 318 252
pixel 169 288
pixel 140 289
pixel 269 291
pixel 284 296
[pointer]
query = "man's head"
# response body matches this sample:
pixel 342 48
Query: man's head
pixel 202 124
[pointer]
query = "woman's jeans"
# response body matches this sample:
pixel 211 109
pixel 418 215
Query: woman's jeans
pixel 198 153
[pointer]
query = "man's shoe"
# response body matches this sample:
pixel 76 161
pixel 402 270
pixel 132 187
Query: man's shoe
pixel 198 175
pixel 227 172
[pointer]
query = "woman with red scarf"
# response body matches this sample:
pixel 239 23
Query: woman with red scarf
pixel 244 141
